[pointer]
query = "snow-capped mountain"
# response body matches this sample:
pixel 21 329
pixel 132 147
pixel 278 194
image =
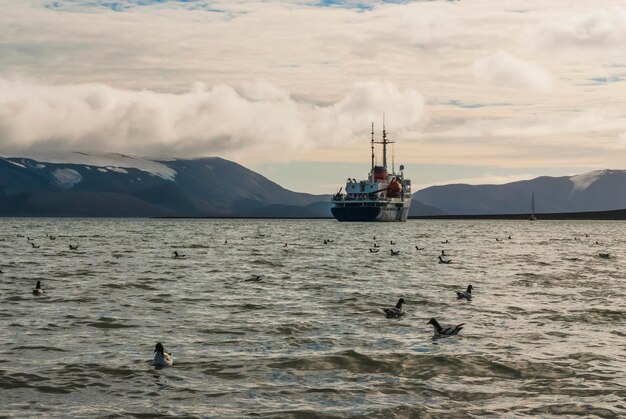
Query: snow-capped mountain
pixel 77 184
pixel 599 190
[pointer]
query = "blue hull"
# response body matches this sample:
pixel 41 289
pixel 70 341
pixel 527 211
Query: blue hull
pixel 356 213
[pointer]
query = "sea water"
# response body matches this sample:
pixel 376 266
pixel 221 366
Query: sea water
pixel 545 333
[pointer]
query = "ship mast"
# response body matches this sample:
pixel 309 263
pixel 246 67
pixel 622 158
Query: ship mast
pixel 372 146
pixel 384 142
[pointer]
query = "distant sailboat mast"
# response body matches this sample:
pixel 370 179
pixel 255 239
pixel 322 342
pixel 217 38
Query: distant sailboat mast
pixel 533 217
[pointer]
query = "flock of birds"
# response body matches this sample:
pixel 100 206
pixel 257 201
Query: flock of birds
pixel 165 359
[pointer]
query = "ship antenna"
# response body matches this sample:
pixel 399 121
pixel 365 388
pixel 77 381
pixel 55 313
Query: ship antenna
pixel 393 159
pixel 372 145
pixel 384 143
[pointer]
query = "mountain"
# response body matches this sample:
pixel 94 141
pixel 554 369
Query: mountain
pixel 594 191
pixel 419 209
pixel 113 185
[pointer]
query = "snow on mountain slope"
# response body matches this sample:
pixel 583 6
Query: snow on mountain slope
pixel 111 161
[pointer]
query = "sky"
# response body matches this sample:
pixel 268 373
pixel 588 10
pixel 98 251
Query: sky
pixel 482 91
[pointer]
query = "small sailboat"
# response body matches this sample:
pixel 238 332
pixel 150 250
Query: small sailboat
pixel 533 217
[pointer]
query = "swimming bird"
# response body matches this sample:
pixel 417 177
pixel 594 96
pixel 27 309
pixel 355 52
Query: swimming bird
pixel 395 253
pixel 465 294
pixel 441 331
pixel 20 235
pixel 225 241
pixel 509 237
pixel 178 255
pixel 391 242
pixel 35 246
pixel 418 248
pixel 255 278
pixel 52 237
pixel 374 237
pixel 74 247
pixel 325 241
pixel 162 358
pixel 38 290
pixel 604 255
pixel 445 242
pixel 374 250
pixel 29 239
pixel 285 245
pixel 375 245
pixel 443 253
pixel 497 239
pixel 442 260
pixel 395 312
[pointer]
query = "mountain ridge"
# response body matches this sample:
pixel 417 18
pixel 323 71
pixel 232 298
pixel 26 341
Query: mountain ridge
pixel 599 190
pixel 117 185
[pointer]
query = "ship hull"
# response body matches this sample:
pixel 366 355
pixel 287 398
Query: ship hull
pixel 370 214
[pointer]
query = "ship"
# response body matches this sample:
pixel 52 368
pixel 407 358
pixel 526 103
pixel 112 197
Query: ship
pixel 383 196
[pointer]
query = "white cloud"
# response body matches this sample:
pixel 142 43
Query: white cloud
pixel 118 81
pixel 504 70
pixel 252 122
pixel 601 31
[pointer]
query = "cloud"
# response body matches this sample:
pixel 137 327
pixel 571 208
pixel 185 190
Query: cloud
pixel 600 31
pixel 119 80
pixel 257 120
pixel 504 70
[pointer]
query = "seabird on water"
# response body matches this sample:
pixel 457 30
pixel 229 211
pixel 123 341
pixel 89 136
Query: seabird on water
pixel 74 247
pixel 395 312
pixel 442 260
pixel 465 294
pixel 178 255
pixel 162 358
pixel 445 242
pixel 391 242
pixel 255 278
pixel 395 253
pixel 441 331
pixel 604 255
pixel 418 248
pixel 374 250
pixel 35 246
pixel 38 290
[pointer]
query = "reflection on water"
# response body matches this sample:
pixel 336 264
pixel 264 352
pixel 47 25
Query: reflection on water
pixel 544 334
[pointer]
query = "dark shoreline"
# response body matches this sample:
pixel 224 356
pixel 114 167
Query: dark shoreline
pixel 615 215
pixel 586 215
